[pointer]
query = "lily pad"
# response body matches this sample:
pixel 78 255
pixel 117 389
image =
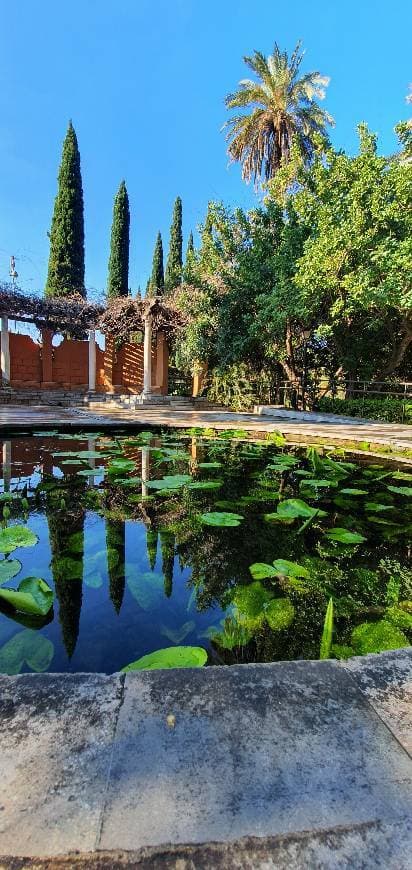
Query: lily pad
pixel 401 490
pixel 9 569
pixel 26 647
pixel 206 484
pixel 402 475
pixel 171 657
pixel 290 569
pixel 375 507
pixel 277 518
pixel 318 484
pixel 280 613
pixel 223 519
pixel 119 466
pixel 344 536
pixel 349 491
pixel 170 482
pixel 209 465
pixel 295 507
pixel 374 637
pixel 32 596
pixel 261 571
pixel 16 536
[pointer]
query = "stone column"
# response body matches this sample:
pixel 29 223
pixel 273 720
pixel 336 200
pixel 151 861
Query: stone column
pixel 5 351
pixel 147 356
pixel 199 376
pixel 47 357
pixel 92 361
pixel 162 364
pixel 145 470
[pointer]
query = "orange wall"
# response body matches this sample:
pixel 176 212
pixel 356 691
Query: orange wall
pixel 68 365
pixel 25 360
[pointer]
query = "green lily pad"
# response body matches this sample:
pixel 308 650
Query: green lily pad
pixel 170 482
pixel 16 536
pixel 118 466
pixel 375 507
pixel 277 518
pixel 349 491
pixel 261 571
pixel 9 569
pixel 401 490
pixel 344 536
pixel 171 657
pixel 295 507
pixel 374 637
pixel 222 519
pixel 209 465
pixel 26 647
pixel 32 596
pixel 318 484
pixel 402 475
pixel 206 484
pixel 290 569
pixel 280 614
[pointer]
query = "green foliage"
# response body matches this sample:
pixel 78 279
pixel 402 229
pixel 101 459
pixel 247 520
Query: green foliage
pixel 156 283
pixel 280 614
pixel 386 409
pixel 173 273
pixel 171 657
pixel 282 109
pixel 327 634
pixel 66 261
pixel 118 279
pixel 8 569
pixel 16 536
pixel 222 519
pixel 374 637
pixel 32 596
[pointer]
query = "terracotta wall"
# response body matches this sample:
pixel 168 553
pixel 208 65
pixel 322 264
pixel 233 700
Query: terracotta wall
pixel 25 360
pixel 67 366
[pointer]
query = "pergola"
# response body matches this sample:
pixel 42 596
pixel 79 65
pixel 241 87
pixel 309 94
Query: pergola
pixel 121 319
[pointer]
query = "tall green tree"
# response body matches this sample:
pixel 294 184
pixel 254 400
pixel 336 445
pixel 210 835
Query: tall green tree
pixel 118 280
pixel 282 109
pixel 66 261
pixel 173 274
pixel 156 282
pixel 190 246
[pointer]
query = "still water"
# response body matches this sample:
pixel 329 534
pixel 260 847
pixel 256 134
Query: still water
pixel 159 539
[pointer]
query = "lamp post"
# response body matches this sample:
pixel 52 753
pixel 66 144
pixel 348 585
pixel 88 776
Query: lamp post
pixel 306 336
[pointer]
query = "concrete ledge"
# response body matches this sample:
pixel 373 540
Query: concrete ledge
pixel 307 416
pixel 308 757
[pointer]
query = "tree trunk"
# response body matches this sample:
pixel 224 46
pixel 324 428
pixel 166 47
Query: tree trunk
pixel 398 352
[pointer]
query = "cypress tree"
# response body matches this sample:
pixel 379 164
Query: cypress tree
pixel 157 281
pixel 190 246
pixel 66 259
pixel 173 274
pixel 118 280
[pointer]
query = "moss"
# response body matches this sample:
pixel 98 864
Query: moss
pixel 280 614
pixel 374 637
pixel 400 617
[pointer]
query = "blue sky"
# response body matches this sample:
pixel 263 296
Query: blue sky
pixel 144 83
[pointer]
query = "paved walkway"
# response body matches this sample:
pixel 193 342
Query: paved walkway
pixel 392 435
pixel 311 759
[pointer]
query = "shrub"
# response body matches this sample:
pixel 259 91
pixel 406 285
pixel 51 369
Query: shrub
pixel 386 409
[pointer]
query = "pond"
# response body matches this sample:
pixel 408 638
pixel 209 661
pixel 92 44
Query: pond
pixel 116 546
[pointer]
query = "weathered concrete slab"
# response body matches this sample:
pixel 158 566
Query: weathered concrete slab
pixel 255 750
pixel 56 742
pixel 377 845
pixel 386 681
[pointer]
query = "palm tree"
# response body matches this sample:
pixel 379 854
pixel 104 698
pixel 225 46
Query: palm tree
pixel 283 110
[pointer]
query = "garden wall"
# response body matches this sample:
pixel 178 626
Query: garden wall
pixel 42 366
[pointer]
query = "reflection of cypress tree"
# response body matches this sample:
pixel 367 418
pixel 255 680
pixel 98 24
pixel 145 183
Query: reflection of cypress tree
pixel 67 575
pixel 116 546
pixel 167 544
pixel 151 546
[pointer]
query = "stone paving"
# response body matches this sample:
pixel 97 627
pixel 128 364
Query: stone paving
pixel 391 435
pixel 309 759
